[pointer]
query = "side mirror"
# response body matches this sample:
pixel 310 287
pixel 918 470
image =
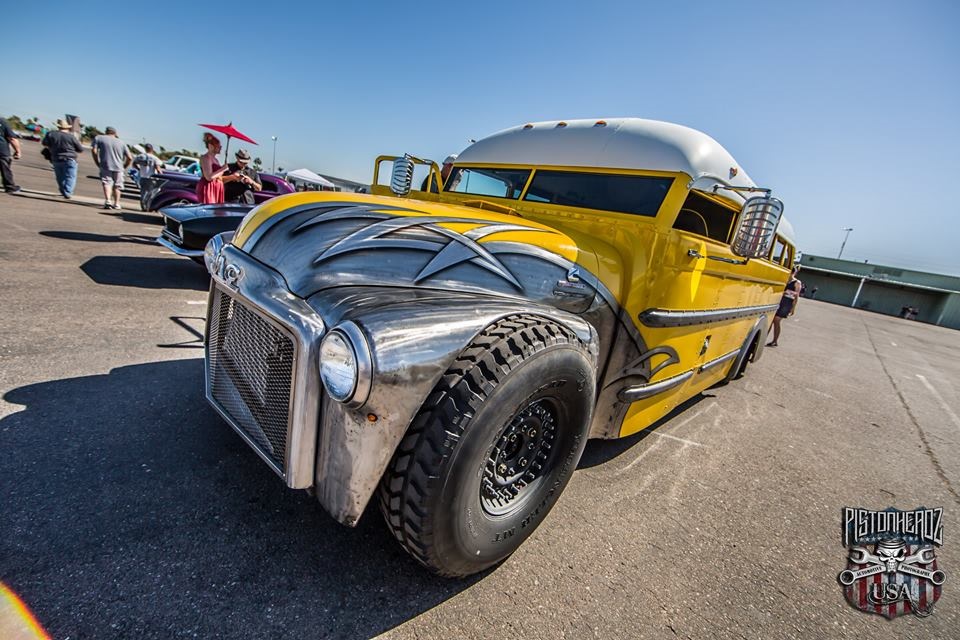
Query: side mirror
pixel 401 179
pixel 757 229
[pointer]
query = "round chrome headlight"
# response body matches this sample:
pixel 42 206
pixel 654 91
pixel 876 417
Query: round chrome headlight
pixel 211 251
pixel 345 365
pixel 338 367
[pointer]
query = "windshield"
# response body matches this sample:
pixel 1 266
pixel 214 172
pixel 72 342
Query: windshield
pixel 499 183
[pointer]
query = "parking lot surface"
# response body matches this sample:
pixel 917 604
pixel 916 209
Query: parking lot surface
pixel 131 510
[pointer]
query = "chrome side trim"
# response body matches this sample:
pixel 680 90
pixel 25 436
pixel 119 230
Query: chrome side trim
pixel 180 251
pixel 671 318
pixel 641 391
pixel 716 361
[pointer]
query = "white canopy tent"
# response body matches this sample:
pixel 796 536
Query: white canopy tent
pixel 308 177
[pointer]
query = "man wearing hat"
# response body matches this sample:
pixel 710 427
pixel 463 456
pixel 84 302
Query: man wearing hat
pixel 444 172
pixel 63 147
pixel 241 180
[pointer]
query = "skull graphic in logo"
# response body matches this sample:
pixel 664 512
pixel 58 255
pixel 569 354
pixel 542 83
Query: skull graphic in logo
pixel 891 553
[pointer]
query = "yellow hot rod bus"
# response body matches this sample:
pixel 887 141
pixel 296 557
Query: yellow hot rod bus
pixel 451 350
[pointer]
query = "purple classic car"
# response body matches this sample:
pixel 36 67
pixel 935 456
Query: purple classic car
pixel 172 188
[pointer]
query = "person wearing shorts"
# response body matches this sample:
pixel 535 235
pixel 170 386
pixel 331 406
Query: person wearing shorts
pixel 788 304
pixel 112 157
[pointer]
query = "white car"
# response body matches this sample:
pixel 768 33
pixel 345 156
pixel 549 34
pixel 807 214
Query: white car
pixel 180 163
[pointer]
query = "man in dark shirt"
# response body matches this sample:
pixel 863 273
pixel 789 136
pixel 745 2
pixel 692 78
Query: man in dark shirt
pixel 244 180
pixel 8 140
pixel 63 147
pixel 444 172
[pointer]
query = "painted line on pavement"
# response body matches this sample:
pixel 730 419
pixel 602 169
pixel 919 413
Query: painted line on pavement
pixel 683 440
pixel 943 403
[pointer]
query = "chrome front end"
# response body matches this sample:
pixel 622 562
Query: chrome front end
pixel 261 376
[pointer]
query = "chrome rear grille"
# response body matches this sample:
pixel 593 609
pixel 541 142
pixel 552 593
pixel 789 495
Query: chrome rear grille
pixel 250 374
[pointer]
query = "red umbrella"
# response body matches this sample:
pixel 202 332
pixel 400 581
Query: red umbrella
pixel 230 131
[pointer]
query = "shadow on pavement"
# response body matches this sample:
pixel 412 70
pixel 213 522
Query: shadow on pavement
pixel 132 510
pixel 196 332
pixel 55 197
pixel 142 218
pixel 98 237
pixel 599 452
pixel 146 273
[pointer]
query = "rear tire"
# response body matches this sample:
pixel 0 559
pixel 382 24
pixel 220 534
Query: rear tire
pixel 492 448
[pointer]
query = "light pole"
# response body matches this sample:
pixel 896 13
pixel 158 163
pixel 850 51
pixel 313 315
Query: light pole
pixel 273 165
pixel 844 243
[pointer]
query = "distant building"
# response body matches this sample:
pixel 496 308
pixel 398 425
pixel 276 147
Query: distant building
pixel 927 297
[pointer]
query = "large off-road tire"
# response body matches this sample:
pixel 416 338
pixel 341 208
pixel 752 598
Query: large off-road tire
pixel 492 447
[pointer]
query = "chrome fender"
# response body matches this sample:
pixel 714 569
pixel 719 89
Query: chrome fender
pixel 414 336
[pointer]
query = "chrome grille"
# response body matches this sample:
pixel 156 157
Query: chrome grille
pixel 250 373
pixel 172 227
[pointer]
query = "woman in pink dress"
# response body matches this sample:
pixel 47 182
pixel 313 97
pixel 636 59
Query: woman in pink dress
pixel 210 187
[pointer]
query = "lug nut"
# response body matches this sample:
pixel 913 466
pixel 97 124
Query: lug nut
pixel 523 462
pixel 502 469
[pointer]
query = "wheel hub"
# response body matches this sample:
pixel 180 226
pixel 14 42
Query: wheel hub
pixel 518 458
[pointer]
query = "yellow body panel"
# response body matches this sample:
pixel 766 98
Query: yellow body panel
pixel 552 241
pixel 642 261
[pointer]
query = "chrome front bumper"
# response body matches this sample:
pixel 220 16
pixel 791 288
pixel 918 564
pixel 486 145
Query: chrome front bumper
pixel 180 251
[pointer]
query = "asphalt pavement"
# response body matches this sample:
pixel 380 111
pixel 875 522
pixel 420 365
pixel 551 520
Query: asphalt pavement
pixel 131 510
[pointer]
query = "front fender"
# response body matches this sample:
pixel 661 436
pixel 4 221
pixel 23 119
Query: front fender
pixel 168 198
pixel 414 336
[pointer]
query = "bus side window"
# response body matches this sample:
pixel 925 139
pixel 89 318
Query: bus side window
pixel 779 249
pixel 704 217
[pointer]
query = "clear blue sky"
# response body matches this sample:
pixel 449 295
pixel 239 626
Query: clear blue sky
pixel 848 110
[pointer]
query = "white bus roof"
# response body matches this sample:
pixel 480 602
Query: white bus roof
pixel 617 143
pixel 614 143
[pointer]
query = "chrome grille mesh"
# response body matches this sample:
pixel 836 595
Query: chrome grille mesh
pixel 250 373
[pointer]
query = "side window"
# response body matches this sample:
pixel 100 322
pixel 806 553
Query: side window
pixel 779 249
pixel 499 183
pixel 267 185
pixel 704 217
pixel 639 195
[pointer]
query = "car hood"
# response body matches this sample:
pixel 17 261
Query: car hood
pixel 321 240
pixel 183 214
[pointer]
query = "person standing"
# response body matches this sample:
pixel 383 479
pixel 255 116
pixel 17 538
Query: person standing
pixel 112 157
pixel 788 304
pixel 147 163
pixel 444 172
pixel 241 180
pixel 63 147
pixel 8 140
pixel 210 186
